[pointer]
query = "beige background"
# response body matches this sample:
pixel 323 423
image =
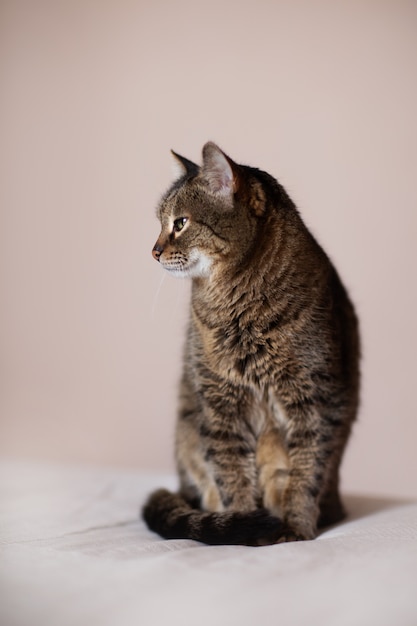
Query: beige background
pixel 93 96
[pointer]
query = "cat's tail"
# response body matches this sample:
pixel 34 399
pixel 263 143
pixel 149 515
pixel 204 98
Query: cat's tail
pixel 173 518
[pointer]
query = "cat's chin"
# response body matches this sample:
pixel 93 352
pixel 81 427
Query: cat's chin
pixel 177 272
pixel 188 272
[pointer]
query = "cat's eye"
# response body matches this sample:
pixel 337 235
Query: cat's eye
pixel 179 224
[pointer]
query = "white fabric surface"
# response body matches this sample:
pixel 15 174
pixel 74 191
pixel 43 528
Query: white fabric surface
pixel 74 552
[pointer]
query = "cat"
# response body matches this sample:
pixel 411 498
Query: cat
pixel 270 384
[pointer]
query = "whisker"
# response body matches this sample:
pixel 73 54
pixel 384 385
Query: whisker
pixel 182 295
pixel 156 296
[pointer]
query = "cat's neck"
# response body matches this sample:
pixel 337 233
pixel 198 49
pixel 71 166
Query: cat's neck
pixel 288 259
pixel 228 293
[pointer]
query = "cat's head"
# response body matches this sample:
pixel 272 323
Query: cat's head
pixel 209 215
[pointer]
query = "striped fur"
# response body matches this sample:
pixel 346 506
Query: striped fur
pixel 270 381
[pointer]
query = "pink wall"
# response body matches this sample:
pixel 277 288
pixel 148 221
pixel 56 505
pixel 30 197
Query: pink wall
pixel 94 94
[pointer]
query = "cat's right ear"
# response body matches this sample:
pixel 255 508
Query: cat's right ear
pixel 219 171
pixel 182 166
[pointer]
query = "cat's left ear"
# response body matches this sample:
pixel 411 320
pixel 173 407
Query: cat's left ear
pixel 183 166
pixel 218 171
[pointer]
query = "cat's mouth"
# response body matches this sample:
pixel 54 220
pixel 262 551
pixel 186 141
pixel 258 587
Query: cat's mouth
pixel 196 266
pixel 176 269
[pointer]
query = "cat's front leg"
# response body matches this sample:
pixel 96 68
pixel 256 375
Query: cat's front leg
pixel 231 464
pixel 221 446
pixel 307 473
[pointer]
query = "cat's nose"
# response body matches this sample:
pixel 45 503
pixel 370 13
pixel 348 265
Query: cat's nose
pixel 157 251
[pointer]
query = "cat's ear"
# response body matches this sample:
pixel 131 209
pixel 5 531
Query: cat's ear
pixel 182 166
pixel 217 170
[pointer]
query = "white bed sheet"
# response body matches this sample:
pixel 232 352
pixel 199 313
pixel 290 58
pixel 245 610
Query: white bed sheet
pixel 74 552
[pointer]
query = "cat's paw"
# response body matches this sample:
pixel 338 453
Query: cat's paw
pixel 291 534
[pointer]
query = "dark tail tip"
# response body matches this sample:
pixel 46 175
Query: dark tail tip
pixel 172 517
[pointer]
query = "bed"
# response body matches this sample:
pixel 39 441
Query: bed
pixel 75 552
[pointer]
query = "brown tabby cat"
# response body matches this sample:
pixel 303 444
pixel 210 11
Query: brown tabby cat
pixel 271 377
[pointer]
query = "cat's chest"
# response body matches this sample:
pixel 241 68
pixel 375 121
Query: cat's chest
pixel 235 348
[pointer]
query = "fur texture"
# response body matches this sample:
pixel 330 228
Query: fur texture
pixel 270 381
